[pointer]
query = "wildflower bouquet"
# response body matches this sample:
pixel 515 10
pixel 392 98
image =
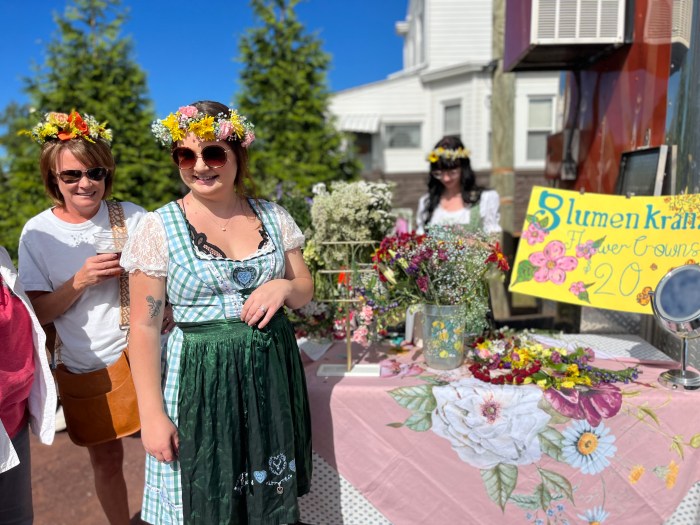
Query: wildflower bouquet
pixel 519 359
pixel 448 266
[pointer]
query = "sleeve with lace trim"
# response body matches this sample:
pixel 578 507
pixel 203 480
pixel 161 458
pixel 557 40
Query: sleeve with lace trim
pixel 147 248
pixel 490 213
pixel 292 238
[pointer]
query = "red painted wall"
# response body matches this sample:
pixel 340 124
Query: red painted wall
pixel 623 98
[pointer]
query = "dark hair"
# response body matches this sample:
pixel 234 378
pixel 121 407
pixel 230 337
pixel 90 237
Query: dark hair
pixel 471 193
pixel 91 154
pixel 243 183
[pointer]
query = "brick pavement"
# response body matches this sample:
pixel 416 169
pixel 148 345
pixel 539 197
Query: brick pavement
pixel 63 488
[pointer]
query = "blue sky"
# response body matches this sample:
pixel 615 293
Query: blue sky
pixel 189 52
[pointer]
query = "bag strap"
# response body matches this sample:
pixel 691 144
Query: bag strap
pixel 118 224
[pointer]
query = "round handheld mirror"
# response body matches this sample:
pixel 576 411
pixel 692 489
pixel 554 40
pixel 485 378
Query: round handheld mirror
pixel 676 305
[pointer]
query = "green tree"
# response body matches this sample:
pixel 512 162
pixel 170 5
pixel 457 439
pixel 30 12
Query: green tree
pixel 284 93
pixel 21 190
pixel 88 67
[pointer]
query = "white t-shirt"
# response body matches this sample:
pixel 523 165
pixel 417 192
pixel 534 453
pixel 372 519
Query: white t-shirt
pixel 489 205
pixel 51 251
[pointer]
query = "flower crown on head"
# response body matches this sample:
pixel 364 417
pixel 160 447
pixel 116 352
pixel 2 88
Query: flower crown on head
pixel 447 154
pixel 59 126
pixel 188 119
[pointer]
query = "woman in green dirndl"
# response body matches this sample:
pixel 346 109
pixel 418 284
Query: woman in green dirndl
pixel 224 409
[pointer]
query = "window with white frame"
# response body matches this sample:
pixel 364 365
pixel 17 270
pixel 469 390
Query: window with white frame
pixel 402 135
pixel 452 119
pixel 540 112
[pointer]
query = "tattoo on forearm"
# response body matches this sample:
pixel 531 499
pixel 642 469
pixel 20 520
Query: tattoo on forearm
pixel 154 306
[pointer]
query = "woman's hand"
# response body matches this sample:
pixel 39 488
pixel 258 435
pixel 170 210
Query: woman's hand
pixel 97 269
pixel 168 322
pixel 265 301
pixel 159 438
pixel 48 306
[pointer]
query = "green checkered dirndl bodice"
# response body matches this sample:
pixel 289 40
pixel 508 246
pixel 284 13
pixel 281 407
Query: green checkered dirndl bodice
pixel 237 394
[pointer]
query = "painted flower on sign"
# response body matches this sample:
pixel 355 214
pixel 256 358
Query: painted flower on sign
pixel 488 424
pixel 535 234
pixel 552 263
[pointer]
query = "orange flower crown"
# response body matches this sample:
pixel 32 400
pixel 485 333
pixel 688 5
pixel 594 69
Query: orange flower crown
pixel 59 126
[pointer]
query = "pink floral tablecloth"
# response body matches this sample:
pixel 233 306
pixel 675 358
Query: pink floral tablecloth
pixel 446 448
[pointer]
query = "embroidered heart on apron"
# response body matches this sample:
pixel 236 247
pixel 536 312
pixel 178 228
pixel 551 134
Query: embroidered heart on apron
pixel 245 275
pixel 259 475
pixel 278 463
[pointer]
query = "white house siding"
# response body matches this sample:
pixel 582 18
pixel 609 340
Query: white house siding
pixel 458 31
pixel 530 85
pixel 395 101
pixel 473 92
pixel 455 39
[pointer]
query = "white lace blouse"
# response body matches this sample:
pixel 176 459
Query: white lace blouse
pixel 147 247
pixel 489 205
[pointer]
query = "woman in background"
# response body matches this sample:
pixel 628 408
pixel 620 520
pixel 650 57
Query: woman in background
pixel 453 196
pixel 27 395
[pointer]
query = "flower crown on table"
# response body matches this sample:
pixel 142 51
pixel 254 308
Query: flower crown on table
pixel 188 119
pixel 518 358
pixel 59 126
pixel 447 154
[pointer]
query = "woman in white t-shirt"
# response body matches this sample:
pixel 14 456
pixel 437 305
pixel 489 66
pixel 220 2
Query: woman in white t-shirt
pixel 67 283
pixel 453 196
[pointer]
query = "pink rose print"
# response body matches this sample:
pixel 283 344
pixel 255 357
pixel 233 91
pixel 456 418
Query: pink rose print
pixel 552 264
pixel 225 130
pixel 392 368
pixel 586 250
pixel 187 111
pixel 535 234
pixel 577 288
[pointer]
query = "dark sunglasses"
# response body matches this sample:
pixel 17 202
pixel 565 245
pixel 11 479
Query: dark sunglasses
pixel 73 176
pixel 213 156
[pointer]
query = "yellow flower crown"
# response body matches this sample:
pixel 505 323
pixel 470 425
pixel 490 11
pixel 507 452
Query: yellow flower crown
pixel 447 154
pixel 59 126
pixel 188 119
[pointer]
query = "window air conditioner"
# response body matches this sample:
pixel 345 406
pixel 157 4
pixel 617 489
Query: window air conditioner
pixel 578 22
pixel 555 35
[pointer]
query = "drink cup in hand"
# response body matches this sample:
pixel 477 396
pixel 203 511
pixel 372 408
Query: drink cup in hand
pixel 110 242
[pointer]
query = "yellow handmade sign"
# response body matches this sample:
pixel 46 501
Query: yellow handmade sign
pixel 606 251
